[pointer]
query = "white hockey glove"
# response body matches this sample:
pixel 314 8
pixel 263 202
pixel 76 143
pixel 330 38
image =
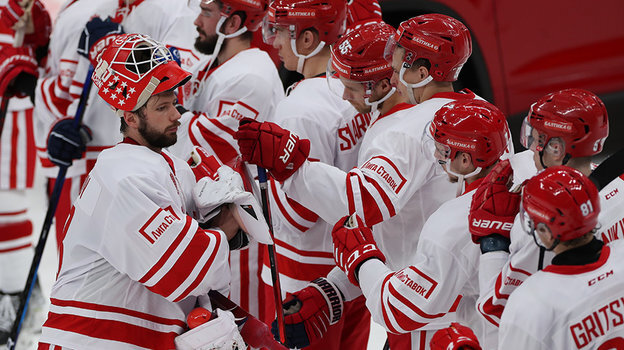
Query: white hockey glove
pixel 209 194
pixel 219 333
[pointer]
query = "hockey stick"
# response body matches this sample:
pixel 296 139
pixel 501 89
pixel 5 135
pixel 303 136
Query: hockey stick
pixel 608 170
pixel 4 104
pixel 277 290
pixel 254 332
pixel 47 223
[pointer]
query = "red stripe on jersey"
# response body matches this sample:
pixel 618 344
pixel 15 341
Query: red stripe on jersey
pixel 384 312
pixel 423 340
pixel 118 310
pixel 59 103
pixel 280 243
pixel 220 125
pixel 14 145
pixel 13 213
pixel 298 270
pixel 497 288
pixel 488 309
pixel 174 245
pixel 202 273
pixel 411 305
pixel 24 246
pixel 302 211
pixel 243 270
pixel 372 213
pixel 285 214
pixel 225 152
pixel 31 152
pixel 15 230
pixel 112 330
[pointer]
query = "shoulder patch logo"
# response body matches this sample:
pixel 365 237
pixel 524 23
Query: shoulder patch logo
pixel 158 224
pixel 417 281
pixel 387 171
pixel 237 110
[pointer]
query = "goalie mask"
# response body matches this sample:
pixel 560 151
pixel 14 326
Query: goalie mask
pixel 442 40
pixel 563 200
pixel 573 122
pixel 357 59
pixel 132 69
pixel 327 17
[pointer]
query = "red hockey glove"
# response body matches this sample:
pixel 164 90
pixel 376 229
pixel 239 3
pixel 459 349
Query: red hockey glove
pixel 353 245
pixel 11 13
pixel 493 207
pixel 41 29
pixel 13 62
pixel 203 164
pixel 454 337
pixel 271 147
pixel 309 313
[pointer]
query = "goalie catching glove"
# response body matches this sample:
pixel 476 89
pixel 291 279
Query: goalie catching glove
pixel 309 312
pixel 271 147
pixel 353 244
pixel 494 208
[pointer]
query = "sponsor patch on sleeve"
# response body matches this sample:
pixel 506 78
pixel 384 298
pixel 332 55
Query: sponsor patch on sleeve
pixel 417 281
pixel 384 169
pixel 158 224
pixel 237 110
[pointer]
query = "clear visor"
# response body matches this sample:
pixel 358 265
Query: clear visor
pixel 269 31
pixel 391 45
pixel 434 151
pixel 527 224
pixel 532 139
pixel 344 87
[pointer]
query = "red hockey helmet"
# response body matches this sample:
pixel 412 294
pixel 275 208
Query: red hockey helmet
pixel 132 69
pixel 254 10
pixel 563 199
pixel 475 127
pixel 576 116
pixel 328 17
pixel 442 40
pixel 454 337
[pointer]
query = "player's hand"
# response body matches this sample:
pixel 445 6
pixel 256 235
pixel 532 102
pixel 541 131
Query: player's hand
pixel 271 147
pixel 203 164
pixel 493 206
pixel 17 67
pixel 353 245
pixel 454 337
pixel 11 13
pixel 96 36
pixel 309 313
pixel 66 142
pixel 209 194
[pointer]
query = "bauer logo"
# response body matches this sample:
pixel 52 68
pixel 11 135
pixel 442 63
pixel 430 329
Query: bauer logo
pixel 416 280
pixel 237 110
pixel 158 224
pixel 387 171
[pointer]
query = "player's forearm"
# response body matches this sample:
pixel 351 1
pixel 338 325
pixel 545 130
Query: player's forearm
pixel 320 188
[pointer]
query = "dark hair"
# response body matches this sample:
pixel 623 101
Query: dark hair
pixel 123 127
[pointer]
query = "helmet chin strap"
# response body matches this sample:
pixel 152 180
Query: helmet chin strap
pixel 460 178
pixel 373 105
pixel 411 87
pixel 302 58
pixel 221 37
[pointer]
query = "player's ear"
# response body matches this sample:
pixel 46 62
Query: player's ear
pixel 233 23
pixel 131 119
pixel 383 86
pixel 308 41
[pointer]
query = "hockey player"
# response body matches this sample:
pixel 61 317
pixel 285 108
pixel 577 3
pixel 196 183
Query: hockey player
pixel 335 129
pixel 235 81
pixel 440 285
pixel 566 127
pixel 398 191
pixel 58 95
pixel 19 67
pixel 575 303
pixel 132 252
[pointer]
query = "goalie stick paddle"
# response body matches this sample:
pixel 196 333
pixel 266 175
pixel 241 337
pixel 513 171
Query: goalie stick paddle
pixel 277 290
pixel 254 332
pixel 47 223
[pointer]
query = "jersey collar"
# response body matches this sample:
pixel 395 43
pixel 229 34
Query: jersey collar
pixel 131 141
pixel 578 269
pixel 399 107
pixel 464 94
pixel 473 185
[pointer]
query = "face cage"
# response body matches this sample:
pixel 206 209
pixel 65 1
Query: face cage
pixel 160 55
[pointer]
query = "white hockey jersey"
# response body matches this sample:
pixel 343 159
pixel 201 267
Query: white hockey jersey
pixel 506 272
pixel 396 185
pixel 569 307
pixel 335 129
pixel 441 284
pixel 17 146
pixel 246 85
pixel 131 253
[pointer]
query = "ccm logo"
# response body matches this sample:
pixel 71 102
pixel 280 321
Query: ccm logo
pixel 593 281
pixel 158 224
pixel 611 194
pixel 499 225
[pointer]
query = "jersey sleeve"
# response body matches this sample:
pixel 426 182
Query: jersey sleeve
pixel 160 247
pixel 420 295
pixel 376 190
pixel 521 324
